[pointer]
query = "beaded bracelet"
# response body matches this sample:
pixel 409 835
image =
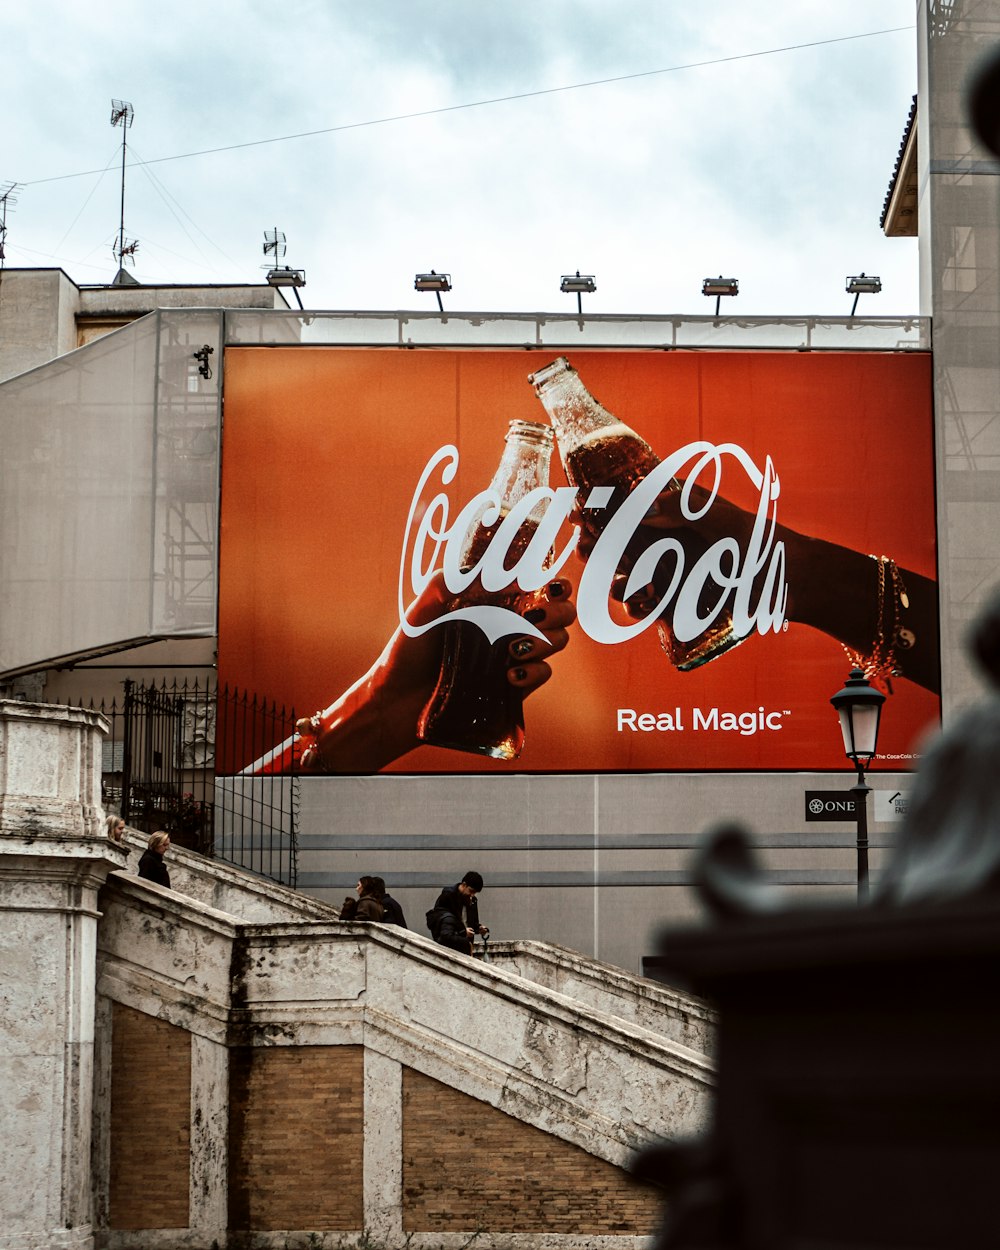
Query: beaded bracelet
pixel 891 635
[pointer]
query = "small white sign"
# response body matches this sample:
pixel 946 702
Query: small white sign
pixel 891 804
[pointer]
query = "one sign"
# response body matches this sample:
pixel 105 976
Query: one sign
pixel 831 805
pixel 350 474
pixel 891 804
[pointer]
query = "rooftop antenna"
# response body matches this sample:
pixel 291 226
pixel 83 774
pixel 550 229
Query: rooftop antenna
pixel 122 114
pixel 281 275
pixel 8 195
pixel 274 245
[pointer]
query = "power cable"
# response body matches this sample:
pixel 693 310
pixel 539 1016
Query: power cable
pixel 505 99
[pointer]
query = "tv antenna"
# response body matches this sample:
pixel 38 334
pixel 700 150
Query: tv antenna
pixel 122 114
pixel 281 275
pixel 8 195
pixel 274 245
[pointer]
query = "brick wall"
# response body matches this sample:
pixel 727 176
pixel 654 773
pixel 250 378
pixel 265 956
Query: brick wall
pixel 150 1122
pixel 468 1167
pixel 296 1133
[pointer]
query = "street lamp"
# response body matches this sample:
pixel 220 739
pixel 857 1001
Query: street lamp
pixel 859 707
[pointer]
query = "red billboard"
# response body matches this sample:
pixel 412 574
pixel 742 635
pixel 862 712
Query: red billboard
pixel 768 517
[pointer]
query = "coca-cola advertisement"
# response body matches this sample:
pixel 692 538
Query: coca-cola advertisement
pixel 576 561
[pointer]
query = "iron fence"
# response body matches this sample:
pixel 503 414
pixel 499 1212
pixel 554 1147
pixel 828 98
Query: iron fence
pixel 175 760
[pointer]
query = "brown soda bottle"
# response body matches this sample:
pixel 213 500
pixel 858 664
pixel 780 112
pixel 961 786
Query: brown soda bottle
pixel 474 707
pixel 597 449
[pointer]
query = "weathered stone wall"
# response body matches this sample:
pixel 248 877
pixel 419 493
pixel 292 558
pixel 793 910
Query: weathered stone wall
pixel 376 1086
pixel 185 1078
pixel 610 990
pixel 467 1166
pixel 52 863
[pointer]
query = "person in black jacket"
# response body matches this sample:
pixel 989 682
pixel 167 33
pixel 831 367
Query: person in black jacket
pixel 392 913
pixel 151 865
pixel 456 914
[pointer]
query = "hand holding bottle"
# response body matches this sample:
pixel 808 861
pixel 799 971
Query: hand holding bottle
pixel 375 721
pixel 601 453
pixel 853 597
pixel 473 706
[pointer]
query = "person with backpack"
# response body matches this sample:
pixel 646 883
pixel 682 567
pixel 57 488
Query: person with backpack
pixel 392 913
pixel 454 918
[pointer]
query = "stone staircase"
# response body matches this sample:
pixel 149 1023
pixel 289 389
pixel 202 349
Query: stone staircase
pixel 583 1058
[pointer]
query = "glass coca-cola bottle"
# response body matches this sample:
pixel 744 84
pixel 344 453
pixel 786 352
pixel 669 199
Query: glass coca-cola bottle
pixel 474 707
pixel 597 449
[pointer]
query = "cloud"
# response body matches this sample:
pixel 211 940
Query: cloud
pixel 771 167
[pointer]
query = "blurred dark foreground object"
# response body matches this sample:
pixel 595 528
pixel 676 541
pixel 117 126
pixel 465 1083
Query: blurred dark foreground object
pixel 858 1105
pixel 984 101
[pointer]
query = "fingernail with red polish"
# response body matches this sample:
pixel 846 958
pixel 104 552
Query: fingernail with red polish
pixel 521 648
pixel 519 674
pixel 535 615
pixel 557 589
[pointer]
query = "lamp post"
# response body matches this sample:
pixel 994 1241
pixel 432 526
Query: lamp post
pixel 859 707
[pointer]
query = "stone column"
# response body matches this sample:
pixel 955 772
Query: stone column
pixel 383 1159
pixel 54 856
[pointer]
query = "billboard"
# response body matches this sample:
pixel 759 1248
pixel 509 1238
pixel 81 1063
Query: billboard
pixel 779 527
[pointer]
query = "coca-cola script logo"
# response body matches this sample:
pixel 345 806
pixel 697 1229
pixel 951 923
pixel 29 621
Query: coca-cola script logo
pixel 747 580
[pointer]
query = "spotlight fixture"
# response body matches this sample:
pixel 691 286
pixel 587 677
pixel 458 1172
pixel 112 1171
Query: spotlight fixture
pixel 433 281
pixel 281 275
pixel 718 287
pixel 578 284
pixel 863 284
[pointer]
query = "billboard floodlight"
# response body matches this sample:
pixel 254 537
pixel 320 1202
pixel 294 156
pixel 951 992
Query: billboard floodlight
pixel 433 281
pixel 718 287
pixel 578 284
pixel 863 284
pixel 282 275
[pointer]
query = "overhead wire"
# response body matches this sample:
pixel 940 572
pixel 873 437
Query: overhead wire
pixel 506 99
pixel 69 228
pixel 171 201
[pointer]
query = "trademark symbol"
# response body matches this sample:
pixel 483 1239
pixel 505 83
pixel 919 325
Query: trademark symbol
pixel 784 627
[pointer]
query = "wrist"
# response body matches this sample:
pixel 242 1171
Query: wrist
pixel 361 732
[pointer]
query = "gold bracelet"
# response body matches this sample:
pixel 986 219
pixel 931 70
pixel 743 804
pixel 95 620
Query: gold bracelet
pixel 891 635
pixel 311 756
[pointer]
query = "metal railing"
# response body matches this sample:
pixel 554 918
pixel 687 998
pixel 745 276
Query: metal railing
pixel 173 761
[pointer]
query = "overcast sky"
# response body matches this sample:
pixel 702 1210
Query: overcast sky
pixel 769 168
